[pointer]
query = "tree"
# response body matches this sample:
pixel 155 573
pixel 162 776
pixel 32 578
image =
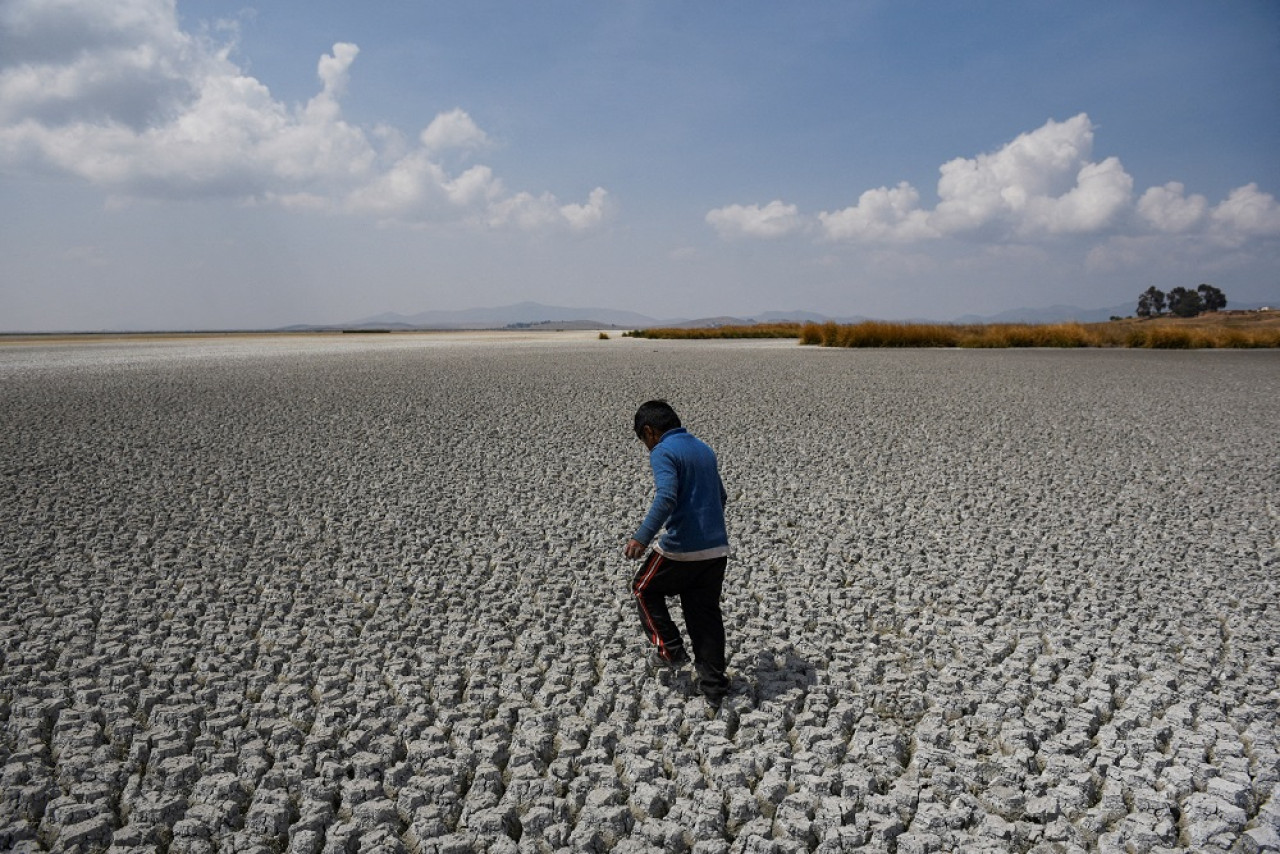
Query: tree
pixel 1212 298
pixel 1185 302
pixel 1151 302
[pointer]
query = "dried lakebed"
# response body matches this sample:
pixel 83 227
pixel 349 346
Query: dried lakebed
pixel 337 598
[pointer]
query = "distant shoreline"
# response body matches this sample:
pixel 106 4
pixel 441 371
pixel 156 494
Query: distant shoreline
pixel 1229 329
pixel 206 335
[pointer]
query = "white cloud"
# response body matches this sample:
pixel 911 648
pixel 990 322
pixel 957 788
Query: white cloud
pixel 453 129
pixel 1015 188
pixel 525 211
pixel 474 186
pixel 584 217
pixel 1042 184
pixel 1102 191
pixel 773 220
pixel 1169 210
pixel 67 60
pixel 1247 212
pixel 529 212
pixel 333 70
pixel 881 215
pixel 119 95
pixel 407 190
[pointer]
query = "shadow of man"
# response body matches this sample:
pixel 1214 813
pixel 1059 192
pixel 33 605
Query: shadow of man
pixel 776 673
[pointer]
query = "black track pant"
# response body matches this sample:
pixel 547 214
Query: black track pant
pixel 697 583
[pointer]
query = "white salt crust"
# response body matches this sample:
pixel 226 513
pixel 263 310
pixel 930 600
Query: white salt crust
pixel 325 595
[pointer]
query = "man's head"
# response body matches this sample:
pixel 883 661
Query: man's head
pixel 653 418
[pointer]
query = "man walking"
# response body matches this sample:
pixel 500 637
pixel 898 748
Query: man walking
pixel 689 560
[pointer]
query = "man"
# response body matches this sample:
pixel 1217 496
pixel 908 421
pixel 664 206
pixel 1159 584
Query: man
pixel 689 560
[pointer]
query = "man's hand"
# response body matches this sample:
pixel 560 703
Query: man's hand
pixel 635 549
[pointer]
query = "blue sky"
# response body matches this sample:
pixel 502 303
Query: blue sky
pixel 210 165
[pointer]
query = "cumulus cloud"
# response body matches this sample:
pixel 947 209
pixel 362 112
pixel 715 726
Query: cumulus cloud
pixel 882 215
pixel 453 129
pixel 584 217
pixel 773 220
pixel 1101 193
pixel 1247 212
pixel 1042 181
pixel 83 60
pixel 527 211
pixel 120 96
pixel 1042 184
pixel 1170 210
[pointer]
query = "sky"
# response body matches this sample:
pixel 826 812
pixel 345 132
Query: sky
pixel 211 165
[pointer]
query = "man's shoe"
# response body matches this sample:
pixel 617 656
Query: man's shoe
pixel 714 697
pixel 658 663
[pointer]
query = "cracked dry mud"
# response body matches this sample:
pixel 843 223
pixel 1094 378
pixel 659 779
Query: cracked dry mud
pixel 338 598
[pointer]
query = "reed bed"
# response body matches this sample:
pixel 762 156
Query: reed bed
pixel 997 335
pixel 1199 334
pixel 1192 338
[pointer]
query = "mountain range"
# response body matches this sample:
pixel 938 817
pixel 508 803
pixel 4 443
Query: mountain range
pixel 522 313
pixel 535 314
pixel 539 315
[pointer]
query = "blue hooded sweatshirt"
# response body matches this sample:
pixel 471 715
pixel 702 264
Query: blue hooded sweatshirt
pixel 689 499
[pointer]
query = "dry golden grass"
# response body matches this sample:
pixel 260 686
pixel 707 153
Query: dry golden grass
pixel 878 334
pixel 1219 330
pixel 1226 329
pixel 1029 335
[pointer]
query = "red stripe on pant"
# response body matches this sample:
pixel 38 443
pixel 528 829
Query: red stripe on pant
pixel 648 572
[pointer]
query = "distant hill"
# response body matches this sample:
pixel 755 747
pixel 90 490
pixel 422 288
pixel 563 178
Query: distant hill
pixel 563 325
pixel 540 315
pixel 704 322
pixel 501 316
pixel 764 317
pixel 1052 314
pixel 790 317
pixel 535 315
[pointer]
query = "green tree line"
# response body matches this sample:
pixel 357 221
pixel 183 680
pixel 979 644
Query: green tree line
pixel 1180 302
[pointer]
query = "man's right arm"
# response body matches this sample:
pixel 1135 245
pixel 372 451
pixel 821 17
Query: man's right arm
pixel 666 488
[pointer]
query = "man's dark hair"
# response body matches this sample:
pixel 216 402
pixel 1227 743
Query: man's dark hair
pixel 657 414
